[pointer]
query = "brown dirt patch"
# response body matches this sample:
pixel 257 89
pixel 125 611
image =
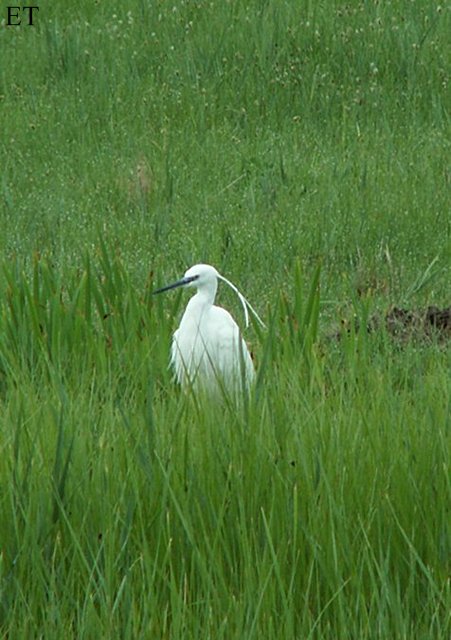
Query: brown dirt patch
pixel 403 325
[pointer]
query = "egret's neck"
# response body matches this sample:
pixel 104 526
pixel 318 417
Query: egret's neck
pixel 202 300
pixel 206 294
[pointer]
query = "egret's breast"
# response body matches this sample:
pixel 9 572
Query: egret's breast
pixel 207 347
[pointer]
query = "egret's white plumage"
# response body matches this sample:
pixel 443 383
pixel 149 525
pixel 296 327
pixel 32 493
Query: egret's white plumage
pixel 207 349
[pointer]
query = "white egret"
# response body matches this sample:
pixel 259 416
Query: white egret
pixel 207 349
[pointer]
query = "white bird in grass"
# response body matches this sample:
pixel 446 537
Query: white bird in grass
pixel 207 349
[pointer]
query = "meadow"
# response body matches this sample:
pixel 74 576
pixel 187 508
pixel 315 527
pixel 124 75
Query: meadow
pixel 302 148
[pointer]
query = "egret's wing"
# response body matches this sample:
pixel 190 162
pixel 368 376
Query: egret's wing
pixel 189 357
pixel 178 358
pixel 228 354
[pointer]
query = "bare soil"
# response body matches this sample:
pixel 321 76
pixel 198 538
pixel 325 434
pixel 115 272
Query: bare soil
pixel 404 325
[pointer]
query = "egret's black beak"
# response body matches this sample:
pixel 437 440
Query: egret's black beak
pixel 179 283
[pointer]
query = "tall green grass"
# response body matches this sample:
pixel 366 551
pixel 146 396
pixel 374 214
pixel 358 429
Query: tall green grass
pixel 301 148
pixel 318 510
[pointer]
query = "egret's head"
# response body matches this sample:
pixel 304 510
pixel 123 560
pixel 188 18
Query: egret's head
pixel 201 275
pixel 205 278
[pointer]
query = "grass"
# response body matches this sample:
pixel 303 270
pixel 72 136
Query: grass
pixel 303 150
